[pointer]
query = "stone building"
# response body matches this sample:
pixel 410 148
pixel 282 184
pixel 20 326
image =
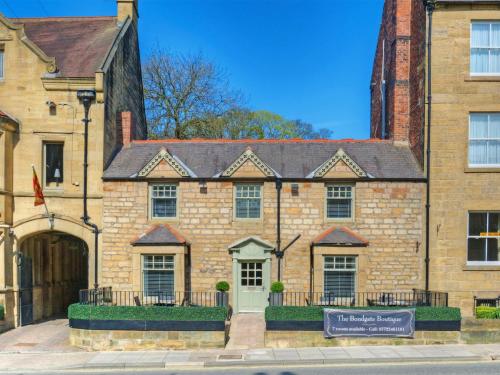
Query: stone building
pixel 183 215
pixel 43 62
pixel 465 136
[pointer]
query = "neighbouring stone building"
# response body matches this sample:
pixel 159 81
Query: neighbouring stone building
pixel 465 134
pixel 182 215
pixel 43 62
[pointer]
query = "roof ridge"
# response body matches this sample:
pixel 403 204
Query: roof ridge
pixel 267 140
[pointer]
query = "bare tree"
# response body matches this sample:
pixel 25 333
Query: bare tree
pixel 181 92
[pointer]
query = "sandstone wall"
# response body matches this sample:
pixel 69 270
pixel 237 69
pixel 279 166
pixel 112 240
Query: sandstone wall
pixel 387 214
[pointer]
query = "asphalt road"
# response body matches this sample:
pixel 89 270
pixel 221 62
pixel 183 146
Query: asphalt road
pixel 481 368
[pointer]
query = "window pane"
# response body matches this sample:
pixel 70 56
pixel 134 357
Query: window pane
pixel 494 222
pixel 476 249
pixel 494 61
pixel 478 125
pixel 477 223
pixel 494 126
pixel 341 284
pixel 54 162
pixel 478 152
pixel 480 36
pixel 493 152
pixel 339 208
pixel 495 35
pixel 479 59
pixel 1 63
pixel 493 249
pixel 164 207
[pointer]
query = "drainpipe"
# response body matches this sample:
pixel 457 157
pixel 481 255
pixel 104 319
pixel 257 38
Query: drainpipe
pixel 429 6
pixel 311 271
pixel 86 97
pixel 279 253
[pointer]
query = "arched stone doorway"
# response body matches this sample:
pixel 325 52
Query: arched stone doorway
pixel 51 267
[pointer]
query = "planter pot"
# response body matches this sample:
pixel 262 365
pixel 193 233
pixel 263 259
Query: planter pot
pixel 276 299
pixel 222 299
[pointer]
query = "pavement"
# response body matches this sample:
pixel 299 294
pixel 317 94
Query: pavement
pixel 38 361
pixel 45 347
pixel 48 336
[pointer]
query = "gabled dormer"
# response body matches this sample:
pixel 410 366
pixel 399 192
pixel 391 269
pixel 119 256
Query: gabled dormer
pixel 165 165
pixel 249 164
pixel 340 165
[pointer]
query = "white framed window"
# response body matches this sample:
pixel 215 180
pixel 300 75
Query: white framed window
pixel 158 275
pixel 484 140
pixel 340 276
pixel 163 201
pixel 483 238
pixel 248 201
pixel 53 161
pixel 485 48
pixel 2 70
pixel 339 201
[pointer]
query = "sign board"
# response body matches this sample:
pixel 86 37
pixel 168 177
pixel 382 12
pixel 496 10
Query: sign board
pixel 369 323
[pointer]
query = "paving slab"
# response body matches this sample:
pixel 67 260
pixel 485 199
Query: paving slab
pixel 335 353
pixel 310 353
pixel 286 354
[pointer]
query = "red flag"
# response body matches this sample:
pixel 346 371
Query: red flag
pixel 39 198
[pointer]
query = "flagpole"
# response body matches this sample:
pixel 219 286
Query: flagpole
pixel 51 221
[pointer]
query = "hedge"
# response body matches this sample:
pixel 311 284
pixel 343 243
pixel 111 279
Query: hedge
pixel 486 312
pixel 2 312
pixel 423 313
pixel 184 313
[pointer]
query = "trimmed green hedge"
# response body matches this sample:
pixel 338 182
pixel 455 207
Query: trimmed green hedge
pixel 486 312
pixel 316 312
pixel 2 312
pixel 89 312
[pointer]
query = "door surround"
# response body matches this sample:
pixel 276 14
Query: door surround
pixel 246 250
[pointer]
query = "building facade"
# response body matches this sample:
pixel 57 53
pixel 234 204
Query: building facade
pixel 43 63
pixel 465 153
pixel 183 215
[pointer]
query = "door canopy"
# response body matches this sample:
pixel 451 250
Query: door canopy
pixel 251 248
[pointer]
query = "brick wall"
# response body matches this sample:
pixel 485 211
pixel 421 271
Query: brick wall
pixel 123 82
pixel 388 214
pixel 402 32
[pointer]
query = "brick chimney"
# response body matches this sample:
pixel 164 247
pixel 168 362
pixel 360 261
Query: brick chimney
pixel 126 128
pixel 397 85
pixel 128 8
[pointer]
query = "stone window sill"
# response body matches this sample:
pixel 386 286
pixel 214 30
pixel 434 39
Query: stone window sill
pixel 482 78
pixel 482 170
pixel 481 268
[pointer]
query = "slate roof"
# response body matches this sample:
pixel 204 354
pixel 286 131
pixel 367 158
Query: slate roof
pixel 289 158
pixel 79 44
pixel 340 236
pixel 160 235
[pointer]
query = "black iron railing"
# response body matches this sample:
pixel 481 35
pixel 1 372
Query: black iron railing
pixel 108 297
pixel 364 299
pixel 486 302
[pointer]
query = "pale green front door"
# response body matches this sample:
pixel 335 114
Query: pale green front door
pixel 252 292
pixel 251 274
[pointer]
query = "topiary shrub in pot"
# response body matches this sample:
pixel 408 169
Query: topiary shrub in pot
pixel 276 295
pixel 222 297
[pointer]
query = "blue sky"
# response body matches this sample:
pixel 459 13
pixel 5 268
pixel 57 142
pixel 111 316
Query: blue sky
pixel 303 59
